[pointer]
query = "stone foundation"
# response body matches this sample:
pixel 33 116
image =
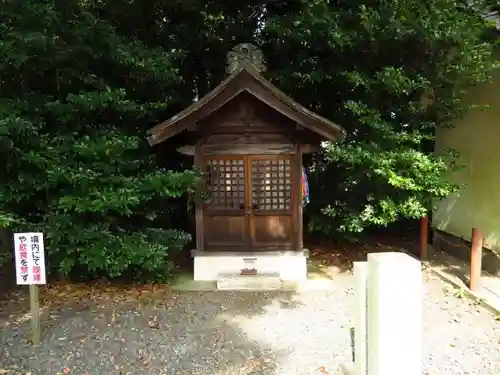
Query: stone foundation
pixel 260 282
pixel 289 265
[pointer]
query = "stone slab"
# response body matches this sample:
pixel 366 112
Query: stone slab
pixel 211 286
pixel 258 282
pixel 290 266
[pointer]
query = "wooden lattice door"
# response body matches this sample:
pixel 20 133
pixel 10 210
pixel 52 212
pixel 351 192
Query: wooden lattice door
pixel 250 203
pixel 271 221
pixel 225 219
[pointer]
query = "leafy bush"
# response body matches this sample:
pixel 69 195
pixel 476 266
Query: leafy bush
pixel 390 73
pixel 75 101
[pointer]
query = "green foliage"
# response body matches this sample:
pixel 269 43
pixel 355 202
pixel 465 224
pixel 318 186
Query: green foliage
pixel 5 258
pixel 390 72
pixel 75 101
pixel 82 81
pixel 203 30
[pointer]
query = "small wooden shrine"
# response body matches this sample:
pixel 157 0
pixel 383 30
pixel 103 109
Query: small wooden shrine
pixel 248 138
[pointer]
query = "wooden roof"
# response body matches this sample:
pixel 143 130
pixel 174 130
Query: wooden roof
pixel 244 79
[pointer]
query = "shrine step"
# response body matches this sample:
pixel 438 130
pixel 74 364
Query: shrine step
pixel 259 282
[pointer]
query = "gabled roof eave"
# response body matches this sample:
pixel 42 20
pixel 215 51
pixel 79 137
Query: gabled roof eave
pixel 159 133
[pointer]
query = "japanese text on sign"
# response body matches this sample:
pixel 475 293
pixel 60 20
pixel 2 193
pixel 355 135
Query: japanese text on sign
pixel 30 258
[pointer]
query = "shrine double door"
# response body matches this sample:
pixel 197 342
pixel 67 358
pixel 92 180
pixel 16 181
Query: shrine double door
pixel 250 203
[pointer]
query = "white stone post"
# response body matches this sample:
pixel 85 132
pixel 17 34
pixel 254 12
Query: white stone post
pixel 394 323
pixel 361 275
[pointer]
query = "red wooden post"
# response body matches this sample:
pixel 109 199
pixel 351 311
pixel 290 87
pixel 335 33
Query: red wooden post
pixel 424 237
pixel 476 254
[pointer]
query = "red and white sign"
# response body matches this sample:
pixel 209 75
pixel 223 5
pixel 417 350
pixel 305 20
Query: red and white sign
pixel 30 258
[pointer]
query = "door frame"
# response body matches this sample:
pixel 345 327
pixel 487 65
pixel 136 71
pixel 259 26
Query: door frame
pixel 209 211
pixel 248 211
pixel 255 212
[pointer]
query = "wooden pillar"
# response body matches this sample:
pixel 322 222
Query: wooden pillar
pixel 424 237
pixel 297 209
pixel 198 216
pixel 476 254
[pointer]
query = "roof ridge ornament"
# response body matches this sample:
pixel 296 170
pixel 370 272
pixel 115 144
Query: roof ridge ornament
pixel 244 55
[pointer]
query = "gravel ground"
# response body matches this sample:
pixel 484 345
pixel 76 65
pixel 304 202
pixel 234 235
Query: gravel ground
pixel 245 333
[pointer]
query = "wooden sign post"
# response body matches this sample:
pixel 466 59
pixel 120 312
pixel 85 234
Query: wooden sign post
pixel 30 270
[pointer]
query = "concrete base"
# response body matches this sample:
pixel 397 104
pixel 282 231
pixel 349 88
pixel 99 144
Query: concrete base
pixel 189 285
pixel 250 282
pixel 289 265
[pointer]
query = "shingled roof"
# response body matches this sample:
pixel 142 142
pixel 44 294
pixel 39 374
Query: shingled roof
pixel 245 78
